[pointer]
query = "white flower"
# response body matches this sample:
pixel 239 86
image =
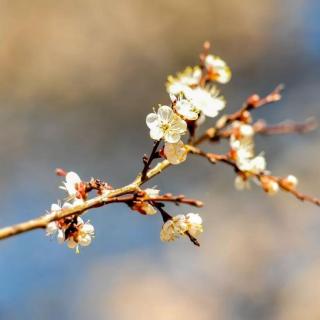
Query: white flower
pixel 73 231
pixel 179 225
pixel 82 236
pixel 187 109
pixel 208 102
pixel 175 152
pixel 166 124
pixel 173 228
pixel 240 183
pixel 71 184
pixel 218 69
pixel 183 81
pixel 194 222
pixel 86 233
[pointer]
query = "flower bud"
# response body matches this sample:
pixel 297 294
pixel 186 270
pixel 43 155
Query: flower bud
pixel 290 182
pixel 269 185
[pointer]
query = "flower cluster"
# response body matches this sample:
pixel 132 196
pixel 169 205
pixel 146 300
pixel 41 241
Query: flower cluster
pixel 242 151
pixel 249 165
pixel 180 225
pixel 193 97
pixel 72 230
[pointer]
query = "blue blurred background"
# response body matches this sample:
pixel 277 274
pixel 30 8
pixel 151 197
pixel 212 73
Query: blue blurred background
pixel 77 79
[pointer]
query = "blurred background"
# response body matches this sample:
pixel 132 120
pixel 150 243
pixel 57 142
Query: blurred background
pixel 77 79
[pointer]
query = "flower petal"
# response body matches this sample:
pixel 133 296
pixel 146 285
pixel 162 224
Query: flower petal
pixel 87 228
pixel 156 133
pixel 165 114
pixel 71 243
pixel 186 109
pixel 55 207
pixel 152 120
pixel 85 241
pixel 175 152
pixel 213 106
pixel 72 178
pixel 178 125
pixel 60 236
pixel 172 137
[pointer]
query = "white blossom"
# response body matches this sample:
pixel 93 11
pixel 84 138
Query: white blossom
pixel 208 102
pixel 190 77
pixel 186 109
pixel 86 233
pixel 71 184
pixel 173 228
pixel 82 236
pixel 82 233
pixel 175 152
pixel 179 225
pixel 218 69
pixel 166 124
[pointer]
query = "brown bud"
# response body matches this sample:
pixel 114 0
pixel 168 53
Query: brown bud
pixel 60 172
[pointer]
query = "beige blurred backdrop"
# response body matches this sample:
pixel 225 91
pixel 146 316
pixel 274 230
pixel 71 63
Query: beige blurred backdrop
pixel 77 79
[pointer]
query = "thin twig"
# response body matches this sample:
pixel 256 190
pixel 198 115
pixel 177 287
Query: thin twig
pixel 148 161
pixel 286 127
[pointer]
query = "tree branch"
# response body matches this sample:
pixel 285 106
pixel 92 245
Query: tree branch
pixel 130 191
